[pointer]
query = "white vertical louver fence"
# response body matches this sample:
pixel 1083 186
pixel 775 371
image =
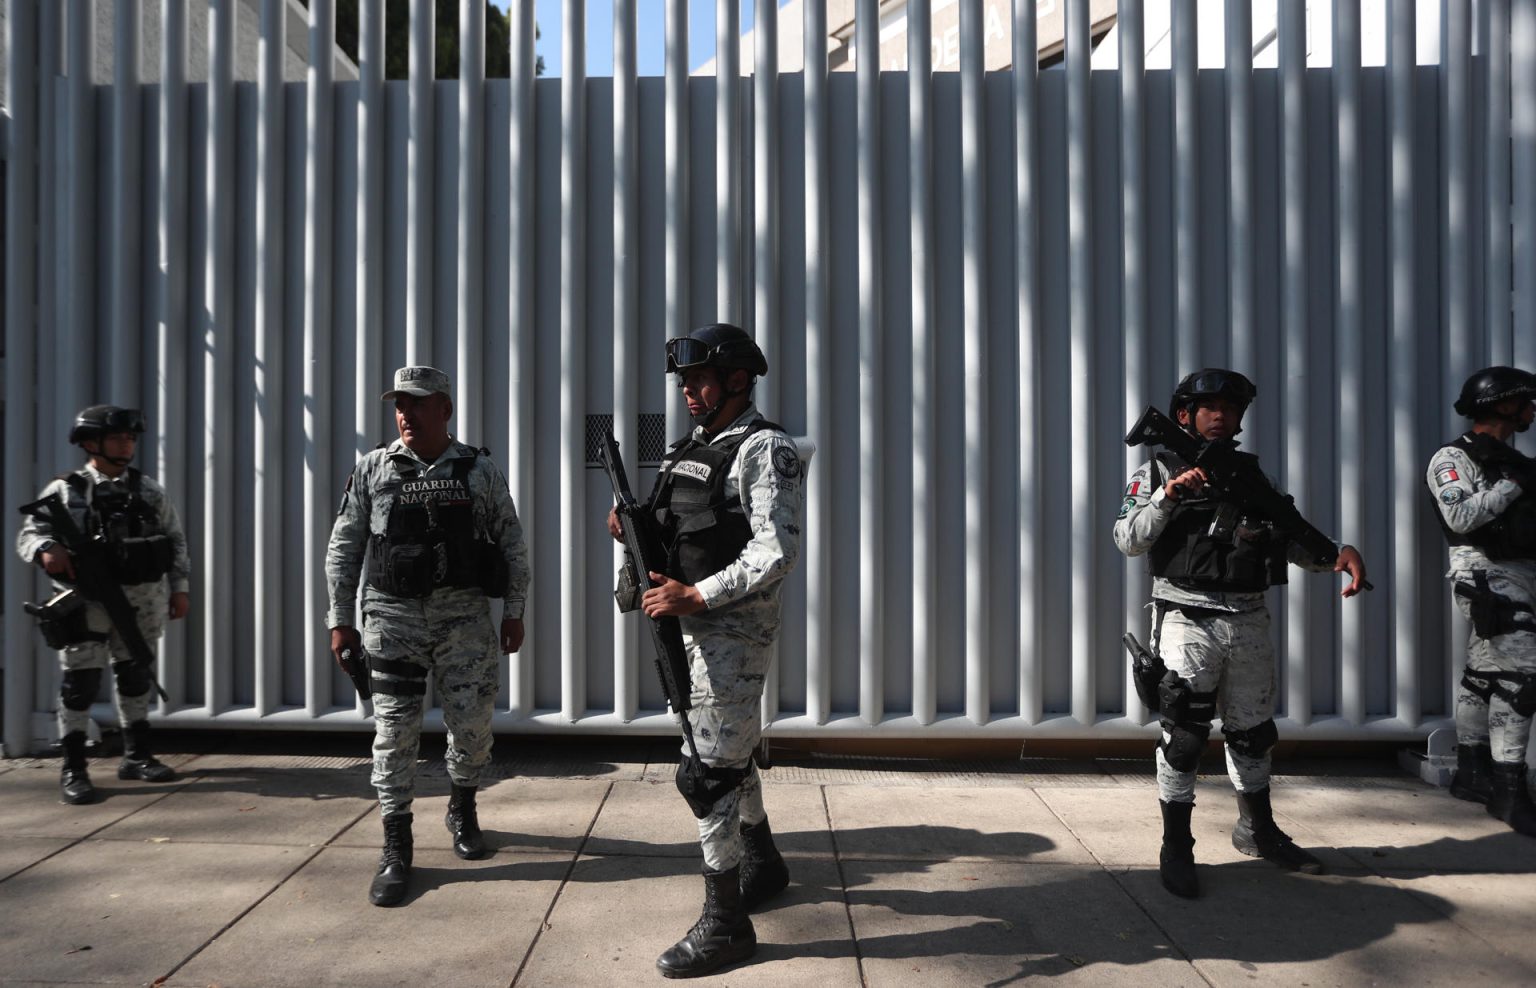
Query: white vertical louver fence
pixel 967 285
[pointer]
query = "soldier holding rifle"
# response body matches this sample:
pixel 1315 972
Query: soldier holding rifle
pixel 726 507
pixel 1217 534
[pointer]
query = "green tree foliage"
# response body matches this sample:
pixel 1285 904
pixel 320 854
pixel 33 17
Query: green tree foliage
pixel 397 31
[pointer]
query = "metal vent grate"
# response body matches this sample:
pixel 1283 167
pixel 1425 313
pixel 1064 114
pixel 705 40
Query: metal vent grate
pixel 651 428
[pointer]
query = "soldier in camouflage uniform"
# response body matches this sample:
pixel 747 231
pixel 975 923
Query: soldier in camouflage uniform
pixel 108 498
pixel 727 501
pixel 1212 629
pixel 1485 491
pixel 437 524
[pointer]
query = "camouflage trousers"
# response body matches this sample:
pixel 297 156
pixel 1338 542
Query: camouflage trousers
pixel 1493 722
pixel 1230 654
pixel 151 601
pixel 727 675
pixel 461 653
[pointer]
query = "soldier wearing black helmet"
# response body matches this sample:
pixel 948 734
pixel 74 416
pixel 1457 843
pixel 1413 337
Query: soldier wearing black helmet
pixel 112 500
pixel 1211 563
pixel 728 502
pixel 1485 496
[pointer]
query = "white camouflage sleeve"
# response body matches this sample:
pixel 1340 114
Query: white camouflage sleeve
pixel 348 545
pixel 769 473
pixel 1144 513
pixel 504 528
pixel 1463 493
pixel 36 532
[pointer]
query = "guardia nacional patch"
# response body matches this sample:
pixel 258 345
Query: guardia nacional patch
pixel 1126 506
pixel 786 461
pixel 1452 495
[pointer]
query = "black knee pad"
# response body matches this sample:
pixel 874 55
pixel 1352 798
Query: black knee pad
pixel 1184 744
pixel 1254 742
pixel 133 678
pixel 79 687
pixel 703 786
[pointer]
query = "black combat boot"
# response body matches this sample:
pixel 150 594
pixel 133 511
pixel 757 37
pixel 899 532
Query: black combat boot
pixel 723 935
pixel 1176 861
pixel 74 784
pixel 763 871
pixel 1511 800
pixel 1473 780
pixel 138 762
pixel 463 823
pixel 1257 835
pixel 389 885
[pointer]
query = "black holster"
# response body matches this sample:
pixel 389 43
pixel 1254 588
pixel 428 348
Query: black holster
pixel 1493 614
pixel 702 786
pixel 62 620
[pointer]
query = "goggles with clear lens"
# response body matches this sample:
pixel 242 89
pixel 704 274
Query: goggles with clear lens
pixel 685 352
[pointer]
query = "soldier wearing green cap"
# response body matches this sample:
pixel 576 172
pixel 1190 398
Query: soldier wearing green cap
pixel 436 522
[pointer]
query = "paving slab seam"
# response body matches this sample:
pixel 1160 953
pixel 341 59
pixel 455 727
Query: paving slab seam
pixel 315 853
pixel 1114 876
pixel 171 791
pixel 565 879
pixel 842 883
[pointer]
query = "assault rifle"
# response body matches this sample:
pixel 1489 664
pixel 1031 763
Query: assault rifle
pixel 643 555
pixel 1237 478
pixel 94 579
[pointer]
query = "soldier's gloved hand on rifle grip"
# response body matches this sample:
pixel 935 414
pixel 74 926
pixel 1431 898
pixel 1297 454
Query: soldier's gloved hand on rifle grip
pixel 56 561
pixel 343 637
pixel 1190 481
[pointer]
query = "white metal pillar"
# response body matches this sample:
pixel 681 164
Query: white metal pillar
pixel 925 545
pixel 627 359
pixel 573 364
pixel 872 531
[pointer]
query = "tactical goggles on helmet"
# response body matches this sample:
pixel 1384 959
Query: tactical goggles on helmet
pixel 123 420
pixel 686 353
pixel 1218 383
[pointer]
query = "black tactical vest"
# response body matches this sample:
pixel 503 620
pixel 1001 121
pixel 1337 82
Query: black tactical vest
pixel 702 527
pixel 1512 535
pixel 429 538
pixel 1212 545
pixel 140 552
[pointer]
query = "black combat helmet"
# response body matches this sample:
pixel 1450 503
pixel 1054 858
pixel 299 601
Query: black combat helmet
pixel 100 420
pixel 717 345
pixel 1491 385
pixel 1212 382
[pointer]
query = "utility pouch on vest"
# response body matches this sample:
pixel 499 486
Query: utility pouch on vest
pixel 141 560
pixel 493 569
pixel 62 620
pixel 628 591
pixel 407 569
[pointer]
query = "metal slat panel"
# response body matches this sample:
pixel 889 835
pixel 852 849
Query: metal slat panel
pixel 816 554
pixel 573 362
pixel 521 374
pixel 872 530
pixel 21 412
pixel 468 409
pixel 924 387
pixel 319 472
pixel 267 561
pixel 765 255
pixel 627 357
pixel 420 186
pixel 218 344
pixel 1086 527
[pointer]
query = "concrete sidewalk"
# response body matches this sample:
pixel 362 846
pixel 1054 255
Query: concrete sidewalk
pixel 253 870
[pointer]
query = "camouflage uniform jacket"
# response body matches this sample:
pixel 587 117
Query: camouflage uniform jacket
pixel 363 512
pixel 743 598
pixel 36 534
pixel 1467 499
pixel 1146 510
